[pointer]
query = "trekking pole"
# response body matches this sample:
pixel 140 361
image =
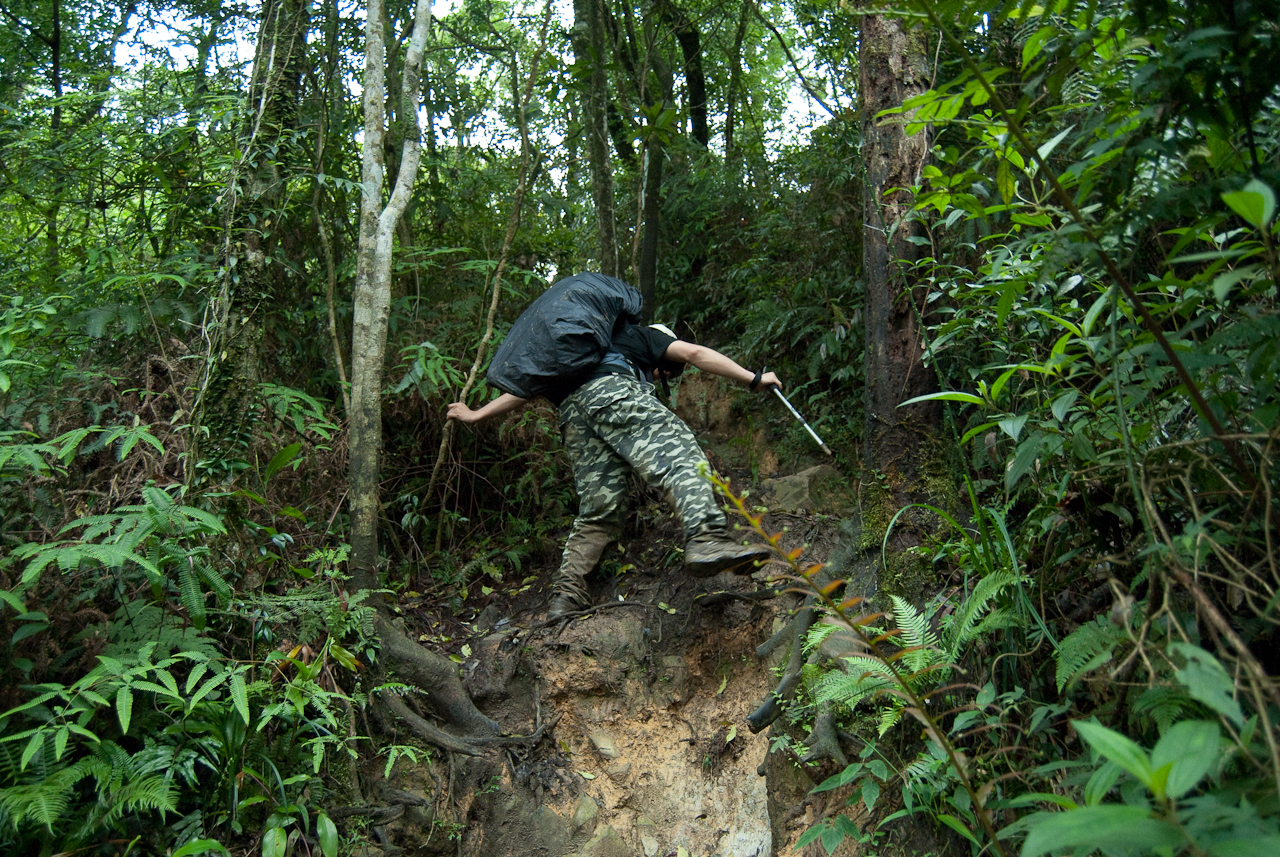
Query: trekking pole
pixel 803 422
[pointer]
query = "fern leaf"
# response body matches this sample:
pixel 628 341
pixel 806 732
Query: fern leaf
pixel 70 442
pixel 192 596
pixel 208 522
pixel 1163 705
pixel 193 677
pixel 998 619
pixel 1091 643
pixel 818 632
pixel 153 759
pixel 44 801
pixel 863 677
pixel 156 792
pixel 36 802
pixel 964 625
pixel 215 580
pixel 889 718
pixel 240 696
pixel 914 625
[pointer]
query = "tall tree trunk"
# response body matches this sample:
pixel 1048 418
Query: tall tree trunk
pixel 655 154
pixel 590 50
pixel 372 310
pixel 731 153
pixel 900 443
pixel 252 284
pixel 686 33
pixel 325 93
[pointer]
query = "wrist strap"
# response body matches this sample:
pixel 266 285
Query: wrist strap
pixel 755 382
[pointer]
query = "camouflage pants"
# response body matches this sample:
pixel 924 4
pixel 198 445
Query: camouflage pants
pixel 612 427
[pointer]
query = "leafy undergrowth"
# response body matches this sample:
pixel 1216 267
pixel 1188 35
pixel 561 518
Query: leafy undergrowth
pixel 1098 671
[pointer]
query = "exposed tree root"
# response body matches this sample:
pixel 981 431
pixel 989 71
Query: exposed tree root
pixel 396 801
pixel 379 814
pixel 518 740
pixel 438 676
pixel 426 730
pixel 796 629
pixel 824 741
pixel 708 599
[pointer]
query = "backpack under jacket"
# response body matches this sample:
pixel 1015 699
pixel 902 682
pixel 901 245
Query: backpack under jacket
pixel 558 342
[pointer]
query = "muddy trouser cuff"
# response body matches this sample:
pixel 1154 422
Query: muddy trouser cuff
pixel 582 552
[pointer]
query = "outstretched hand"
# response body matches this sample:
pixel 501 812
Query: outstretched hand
pixel 463 414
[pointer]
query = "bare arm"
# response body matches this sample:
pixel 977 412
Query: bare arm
pixel 710 360
pixel 501 405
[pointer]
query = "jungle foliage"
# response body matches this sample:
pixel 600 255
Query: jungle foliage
pixel 1101 254
pixel 1096 671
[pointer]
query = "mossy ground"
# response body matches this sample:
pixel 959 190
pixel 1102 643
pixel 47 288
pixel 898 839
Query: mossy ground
pixel 907 569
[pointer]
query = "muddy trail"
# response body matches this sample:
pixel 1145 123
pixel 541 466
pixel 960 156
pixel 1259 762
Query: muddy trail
pixel 638 705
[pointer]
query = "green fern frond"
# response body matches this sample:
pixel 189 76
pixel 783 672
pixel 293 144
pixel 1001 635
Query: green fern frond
pixel 38 802
pixel 862 676
pixel 151 759
pixel 108 765
pixel 914 624
pixel 1086 648
pixel 917 635
pixel 205 521
pixel 147 794
pixel 27 454
pixel 216 581
pixel 818 632
pixel 192 596
pixel 999 619
pixel 9 768
pixel 1161 704
pixel 139 622
pixel 889 718
pixel 44 801
pixel 94 525
pixel 810 676
pixel 963 627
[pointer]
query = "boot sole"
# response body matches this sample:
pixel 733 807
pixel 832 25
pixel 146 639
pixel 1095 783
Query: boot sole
pixel 737 564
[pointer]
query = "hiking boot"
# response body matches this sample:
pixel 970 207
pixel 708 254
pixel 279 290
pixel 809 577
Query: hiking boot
pixel 581 554
pixel 562 604
pixel 708 555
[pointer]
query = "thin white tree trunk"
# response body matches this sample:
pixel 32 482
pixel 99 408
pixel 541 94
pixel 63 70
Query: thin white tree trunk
pixel 373 272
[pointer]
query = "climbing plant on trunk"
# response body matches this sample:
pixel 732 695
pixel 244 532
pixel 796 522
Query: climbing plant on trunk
pixel 250 280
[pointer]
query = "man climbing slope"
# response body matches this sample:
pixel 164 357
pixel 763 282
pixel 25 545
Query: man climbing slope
pixel 613 424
